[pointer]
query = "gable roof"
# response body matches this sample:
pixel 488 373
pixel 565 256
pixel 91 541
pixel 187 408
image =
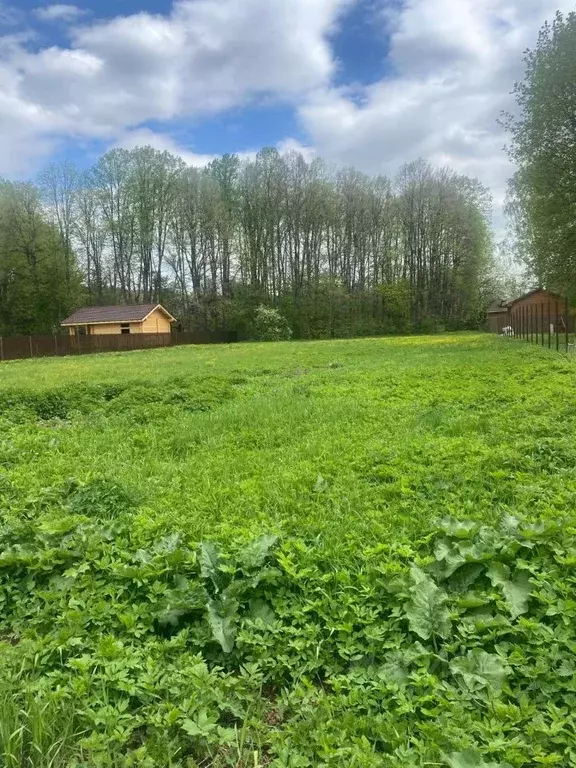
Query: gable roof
pixel 534 291
pixel 128 313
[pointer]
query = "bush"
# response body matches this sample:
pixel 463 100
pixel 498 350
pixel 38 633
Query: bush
pixel 270 325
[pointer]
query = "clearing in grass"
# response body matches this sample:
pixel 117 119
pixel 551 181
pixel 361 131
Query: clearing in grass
pixel 347 553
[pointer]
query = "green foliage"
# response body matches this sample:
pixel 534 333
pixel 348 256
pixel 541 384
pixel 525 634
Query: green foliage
pixel 347 554
pixel 39 279
pixel 270 325
pixel 426 611
pixel 543 192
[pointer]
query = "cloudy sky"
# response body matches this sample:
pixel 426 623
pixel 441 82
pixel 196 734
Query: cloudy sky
pixel 370 83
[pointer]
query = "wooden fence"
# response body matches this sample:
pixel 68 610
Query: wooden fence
pixel 22 347
pixel 550 324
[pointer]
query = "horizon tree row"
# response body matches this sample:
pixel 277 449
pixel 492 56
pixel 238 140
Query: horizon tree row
pixel 339 252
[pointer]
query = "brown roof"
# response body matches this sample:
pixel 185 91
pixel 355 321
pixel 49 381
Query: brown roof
pixel 133 313
pixel 498 307
pixel 531 293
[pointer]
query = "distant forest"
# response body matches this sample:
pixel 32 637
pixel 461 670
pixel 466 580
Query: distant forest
pixel 336 252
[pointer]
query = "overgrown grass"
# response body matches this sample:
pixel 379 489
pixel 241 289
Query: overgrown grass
pixel 334 621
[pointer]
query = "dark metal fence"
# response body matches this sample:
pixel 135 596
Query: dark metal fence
pixel 548 323
pixel 22 347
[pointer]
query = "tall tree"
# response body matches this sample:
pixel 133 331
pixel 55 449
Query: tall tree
pixel 59 184
pixel 543 146
pixel 38 284
pixel 339 251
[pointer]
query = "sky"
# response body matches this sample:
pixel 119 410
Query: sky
pixel 367 83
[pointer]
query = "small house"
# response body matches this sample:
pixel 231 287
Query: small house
pixel 498 317
pixel 126 319
pixel 542 311
pixel 536 311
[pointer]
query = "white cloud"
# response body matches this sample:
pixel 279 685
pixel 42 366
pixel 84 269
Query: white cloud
pixel 203 57
pixel 59 12
pixel 451 63
pixel 141 137
pixel 292 145
pixel 145 137
pixel 452 66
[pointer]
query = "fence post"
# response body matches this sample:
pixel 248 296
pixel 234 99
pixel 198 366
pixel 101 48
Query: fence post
pixel 549 327
pixel 524 323
pixel 542 323
pixel 55 344
pixel 556 328
pixel 30 343
pixel 566 324
pixel 523 311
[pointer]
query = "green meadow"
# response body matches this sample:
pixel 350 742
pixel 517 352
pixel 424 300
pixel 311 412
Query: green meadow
pixel 330 553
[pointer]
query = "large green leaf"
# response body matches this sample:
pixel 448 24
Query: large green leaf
pixel 470 758
pixel 426 611
pixel 209 561
pixel 517 593
pixel 464 576
pixel 498 573
pixel 259 609
pixel 255 553
pixel 479 669
pixel 222 615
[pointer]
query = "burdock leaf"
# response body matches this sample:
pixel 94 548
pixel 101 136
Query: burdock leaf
pixel 479 670
pixel 255 553
pixel 426 611
pixel 209 560
pixel 517 593
pixel 470 758
pixel 222 615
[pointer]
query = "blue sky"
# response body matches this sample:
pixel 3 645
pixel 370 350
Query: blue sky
pixel 369 83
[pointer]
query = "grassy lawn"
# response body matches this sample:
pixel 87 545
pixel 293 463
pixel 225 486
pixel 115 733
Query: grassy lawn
pixel 347 640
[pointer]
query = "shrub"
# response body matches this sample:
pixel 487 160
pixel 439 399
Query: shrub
pixel 270 325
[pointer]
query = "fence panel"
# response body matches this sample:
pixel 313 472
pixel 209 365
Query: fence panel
pixel 25 347
pixel 537 323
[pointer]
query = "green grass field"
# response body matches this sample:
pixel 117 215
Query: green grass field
pixel 334 553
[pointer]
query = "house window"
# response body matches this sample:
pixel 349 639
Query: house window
pixel 125 328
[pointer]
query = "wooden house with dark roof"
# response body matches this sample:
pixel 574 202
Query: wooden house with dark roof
pixel 498 317
pixel 124 319
pixel 538 310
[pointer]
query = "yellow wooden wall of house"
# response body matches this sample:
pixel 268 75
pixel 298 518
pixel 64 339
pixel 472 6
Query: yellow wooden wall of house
pixel 104 329
pixel 156 322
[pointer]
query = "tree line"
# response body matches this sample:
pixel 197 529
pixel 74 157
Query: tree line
pixel 337 252
pixel 542 194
